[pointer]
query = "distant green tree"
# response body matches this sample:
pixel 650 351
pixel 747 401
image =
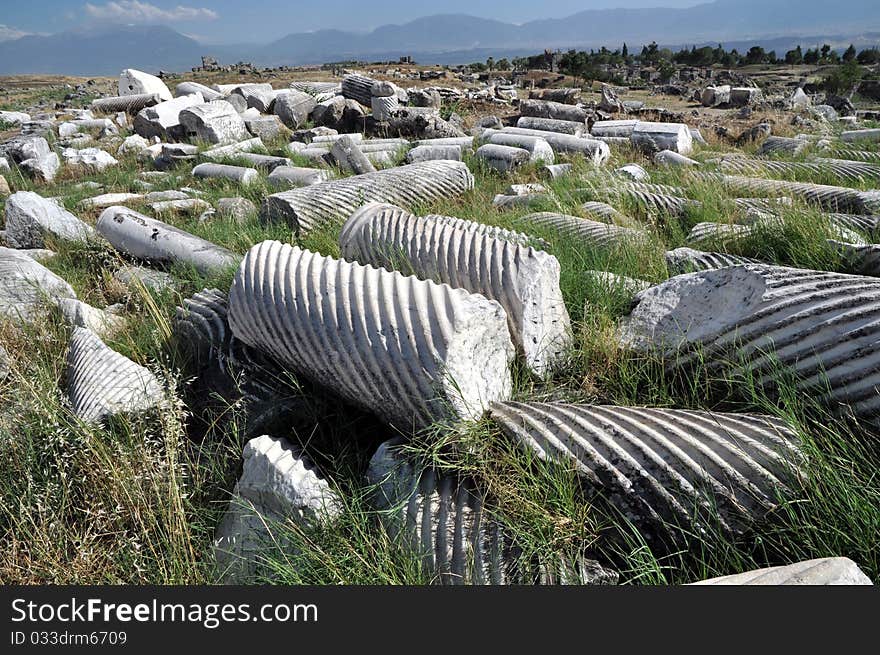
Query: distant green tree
pixel 869 56
pixel 755 55
pixel 503 64
pixel 490 63
pixel 850 53
pixel 843 79
pixel 811 56
pixel 795 56
pixel 624 52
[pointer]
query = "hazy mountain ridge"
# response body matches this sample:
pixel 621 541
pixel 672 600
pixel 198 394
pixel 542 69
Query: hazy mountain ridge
pixel 450 38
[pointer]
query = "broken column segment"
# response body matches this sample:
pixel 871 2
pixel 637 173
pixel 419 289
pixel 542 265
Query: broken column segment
pixel 523 280
pixel 214 122
pixel 426 353
pixel 135 82
pixel 238 174
pixel 552 125
pixel 349 157
pixel 152 240
pixel 653 137
pixel 336 200
pixel 763 320
pixel 277 484
pixel 130 104
pixel 664 467
pixel 102 383
pixel 25 284
pixel 503 159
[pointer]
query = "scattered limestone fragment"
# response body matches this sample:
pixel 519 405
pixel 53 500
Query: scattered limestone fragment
pixel 102 383
pixel 277 484
pixel 30 218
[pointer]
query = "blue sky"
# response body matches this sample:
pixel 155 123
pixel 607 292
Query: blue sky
pixel 245 21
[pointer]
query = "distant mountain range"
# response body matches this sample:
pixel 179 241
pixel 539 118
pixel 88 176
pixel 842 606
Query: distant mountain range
pixel 450 39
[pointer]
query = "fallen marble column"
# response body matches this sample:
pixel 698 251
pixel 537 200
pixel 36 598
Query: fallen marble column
pixel 304 209
pixel 688 260
pixel 102 383
pixel 782 144
pixel 263 162
pixel 349 158
pixel 568 96
pixel 669 158
pixel 426 353
pixel 503 159
pixel 129 104
pixel 524 281
pixel 135 82
pixel 358 87
pixel 463 141
pixel 861 135
pixel 294 176
pixel 814 572
pixel 622 128
pixel 232 149
pixel 833 198
pixel 552 125
pixel 30 218
pixel 316 88
pixel 277 484
pixel 383 107
pixel 25 284
pixel 607 213
pixel 650 201
pixel 760 319
pixel 238 174
pixel 591 234
pixel 709 233
pixel 539 149
pixel 444 519
pixel 146 238
pixel 594 151
pixel 664 467
pixel 555 110
pixel 654 137
pixel 556 171
pixel 293 108
pixel 433 153
pixel 848 171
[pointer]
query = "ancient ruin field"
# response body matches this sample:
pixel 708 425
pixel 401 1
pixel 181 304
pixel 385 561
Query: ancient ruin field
pixel 653 362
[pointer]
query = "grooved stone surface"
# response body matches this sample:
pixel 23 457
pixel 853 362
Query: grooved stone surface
pixel 24 284
pixel 276 484
pixel 101 382
pixel 822 327
pixel 663 465
pixel 523 280
pixel 409 350
pixel 335 201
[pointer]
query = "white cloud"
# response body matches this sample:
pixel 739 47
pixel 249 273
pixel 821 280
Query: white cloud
pixel 9 33
pixel 132 11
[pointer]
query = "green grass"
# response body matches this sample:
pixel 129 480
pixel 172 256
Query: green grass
pixel 138 500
